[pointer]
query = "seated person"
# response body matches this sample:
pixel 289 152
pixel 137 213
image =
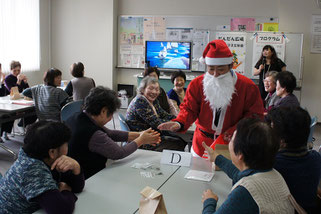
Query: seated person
pixel 80 86
pixel 42 176
pixel 163 99
pixel 145 112
pixel 177 94
pixel 299 167
pixel 5 127
pixel 91 143
pixel 285 84
pixel 257 187
pixel 16 78
pixel 48 98
pixel 3 89
pixel 270 87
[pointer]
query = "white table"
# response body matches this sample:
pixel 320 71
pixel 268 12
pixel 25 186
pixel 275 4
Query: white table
pixel 10 112
pixel 7 106
pixel 185 196
pixel 116 189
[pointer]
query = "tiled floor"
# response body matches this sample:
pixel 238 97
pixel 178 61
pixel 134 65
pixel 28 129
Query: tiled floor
pixel 16 142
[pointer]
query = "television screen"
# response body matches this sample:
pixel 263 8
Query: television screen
pixel 168 54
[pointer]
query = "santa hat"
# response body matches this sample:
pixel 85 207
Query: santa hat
pixel 217 53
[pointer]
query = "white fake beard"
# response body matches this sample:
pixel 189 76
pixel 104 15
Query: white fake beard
pixel 218 91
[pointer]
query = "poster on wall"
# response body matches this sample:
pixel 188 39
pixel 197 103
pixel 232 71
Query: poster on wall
pixel 131 49
pixel 179 34
pixel 272 27
pixel 237 44
pixel 154 28
pixel 242 24
pixel 316 34
pixel 131 30
pixel 262 39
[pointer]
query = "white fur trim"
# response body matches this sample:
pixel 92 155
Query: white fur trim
pixel 202 60
pixel 194 154
pixel 218 61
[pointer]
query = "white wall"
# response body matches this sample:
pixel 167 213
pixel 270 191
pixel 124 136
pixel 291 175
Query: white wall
pixel 294 16
pixel 83 30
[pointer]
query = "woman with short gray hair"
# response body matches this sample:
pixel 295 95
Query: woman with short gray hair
pixel 270 88
pixel 145 82
pixel 145 112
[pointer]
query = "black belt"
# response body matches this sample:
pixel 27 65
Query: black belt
pixel 209 135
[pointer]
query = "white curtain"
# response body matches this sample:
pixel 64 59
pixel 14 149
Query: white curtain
pixel 19 34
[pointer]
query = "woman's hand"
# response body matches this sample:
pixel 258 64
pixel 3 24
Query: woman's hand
pixel 148 136
pixel 209 194
pixel 261 67
pixel 170 126
pixel 20 78
pixel 65 163
pixel 212 154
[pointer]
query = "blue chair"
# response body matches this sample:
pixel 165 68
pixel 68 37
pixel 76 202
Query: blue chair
pixel 123 124
pixel 70 108
pixel 312 126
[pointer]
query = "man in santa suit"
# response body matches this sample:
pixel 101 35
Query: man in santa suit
pixel 216 100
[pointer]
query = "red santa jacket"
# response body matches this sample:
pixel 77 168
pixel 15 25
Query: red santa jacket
pixel 246 102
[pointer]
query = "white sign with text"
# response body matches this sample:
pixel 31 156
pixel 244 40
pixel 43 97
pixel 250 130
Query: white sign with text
pixel 176 158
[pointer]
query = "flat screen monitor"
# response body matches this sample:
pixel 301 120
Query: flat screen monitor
pixel 169 55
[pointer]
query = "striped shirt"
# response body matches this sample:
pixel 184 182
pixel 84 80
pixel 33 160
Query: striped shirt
pixel 48 101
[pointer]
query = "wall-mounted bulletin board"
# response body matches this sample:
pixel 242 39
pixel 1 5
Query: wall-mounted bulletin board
pixel 243 35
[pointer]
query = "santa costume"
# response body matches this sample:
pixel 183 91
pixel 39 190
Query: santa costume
pixel 216 104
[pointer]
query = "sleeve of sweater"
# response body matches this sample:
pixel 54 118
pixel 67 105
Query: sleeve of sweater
pixel 238 201
pixel 76 182
pixel 228 167
pixel 10 82
pixel 102 144
pixel 27 92
pixel 53 201
pixel 117 135
pixel 164 116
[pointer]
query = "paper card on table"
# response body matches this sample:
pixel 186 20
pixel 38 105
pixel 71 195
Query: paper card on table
pixel 177 158
pixel 152 202
pixel 199 175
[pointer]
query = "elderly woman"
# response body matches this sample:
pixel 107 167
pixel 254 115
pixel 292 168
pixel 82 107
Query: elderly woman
pixel 91 143
pixel 48 98
pixel 177 94
pixel 145 112
pixel 80 86
pixel 42 176
pixel 257 187
pixel 285 84
pixel 300 168
pixel 162 98
pixel 270 87
pixel 16 78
